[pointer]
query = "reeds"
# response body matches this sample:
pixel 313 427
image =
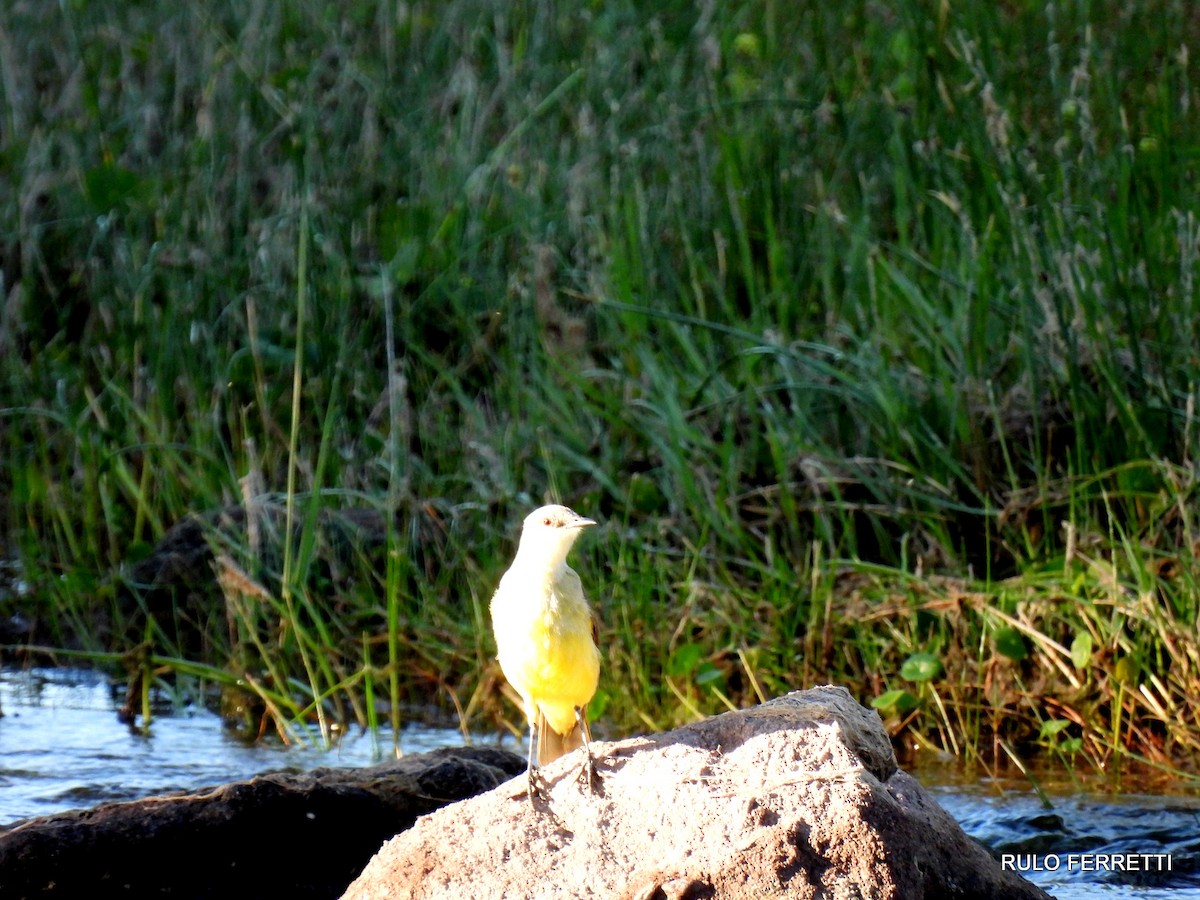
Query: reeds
pixel 870 334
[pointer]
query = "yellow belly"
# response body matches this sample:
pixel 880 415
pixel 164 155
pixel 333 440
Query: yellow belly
pixel 550 660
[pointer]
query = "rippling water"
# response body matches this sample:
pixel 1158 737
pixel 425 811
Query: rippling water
pixel 61 747
pixel 1064 847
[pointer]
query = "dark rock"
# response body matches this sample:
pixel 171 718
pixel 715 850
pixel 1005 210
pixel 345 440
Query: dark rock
pixel 280 835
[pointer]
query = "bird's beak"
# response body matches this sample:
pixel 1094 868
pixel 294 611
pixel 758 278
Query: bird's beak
pixel 582 522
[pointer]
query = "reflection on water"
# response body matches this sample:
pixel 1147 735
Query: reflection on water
pixel 61 747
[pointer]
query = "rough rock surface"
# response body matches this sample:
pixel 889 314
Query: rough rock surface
pixel 800 797
pixel 280 835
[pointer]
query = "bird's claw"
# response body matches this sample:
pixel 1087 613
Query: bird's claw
pixel 536 788
pixel 588 774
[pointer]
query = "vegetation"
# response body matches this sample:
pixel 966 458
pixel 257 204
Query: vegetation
pixel 868 330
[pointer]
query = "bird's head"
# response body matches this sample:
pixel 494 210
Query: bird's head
pixel 550 531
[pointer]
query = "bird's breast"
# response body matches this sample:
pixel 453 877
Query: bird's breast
pixel 543 629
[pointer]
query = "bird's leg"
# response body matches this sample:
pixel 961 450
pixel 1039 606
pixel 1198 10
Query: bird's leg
pixel 533 788
pixel 589 773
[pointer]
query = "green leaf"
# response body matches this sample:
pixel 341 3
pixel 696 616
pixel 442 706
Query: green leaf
pixel 684 660
pixel 709 674
pixel 921 667
pixel 598 704
pixel 1010 643
pixel 1081 650
pixel 1052 727
pixel 900 701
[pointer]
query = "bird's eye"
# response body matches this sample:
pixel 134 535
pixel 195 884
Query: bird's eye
pixel 547 521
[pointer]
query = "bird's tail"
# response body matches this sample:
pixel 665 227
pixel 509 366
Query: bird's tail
pixel 551 745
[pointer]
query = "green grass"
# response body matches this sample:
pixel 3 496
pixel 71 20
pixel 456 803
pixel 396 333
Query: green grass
pixel 868 333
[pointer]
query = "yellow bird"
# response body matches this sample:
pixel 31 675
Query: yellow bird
pixel 546 639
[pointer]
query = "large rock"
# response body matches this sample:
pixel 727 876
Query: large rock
pixel 800 797
pixel 281 835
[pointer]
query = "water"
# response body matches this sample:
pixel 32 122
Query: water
pixel 61 747
pixel 1065 848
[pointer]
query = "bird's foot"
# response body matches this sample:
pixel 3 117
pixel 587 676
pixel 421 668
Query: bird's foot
pixel 536 788
pixel 589 776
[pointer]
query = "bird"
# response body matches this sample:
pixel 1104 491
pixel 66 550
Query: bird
pixel 546 640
